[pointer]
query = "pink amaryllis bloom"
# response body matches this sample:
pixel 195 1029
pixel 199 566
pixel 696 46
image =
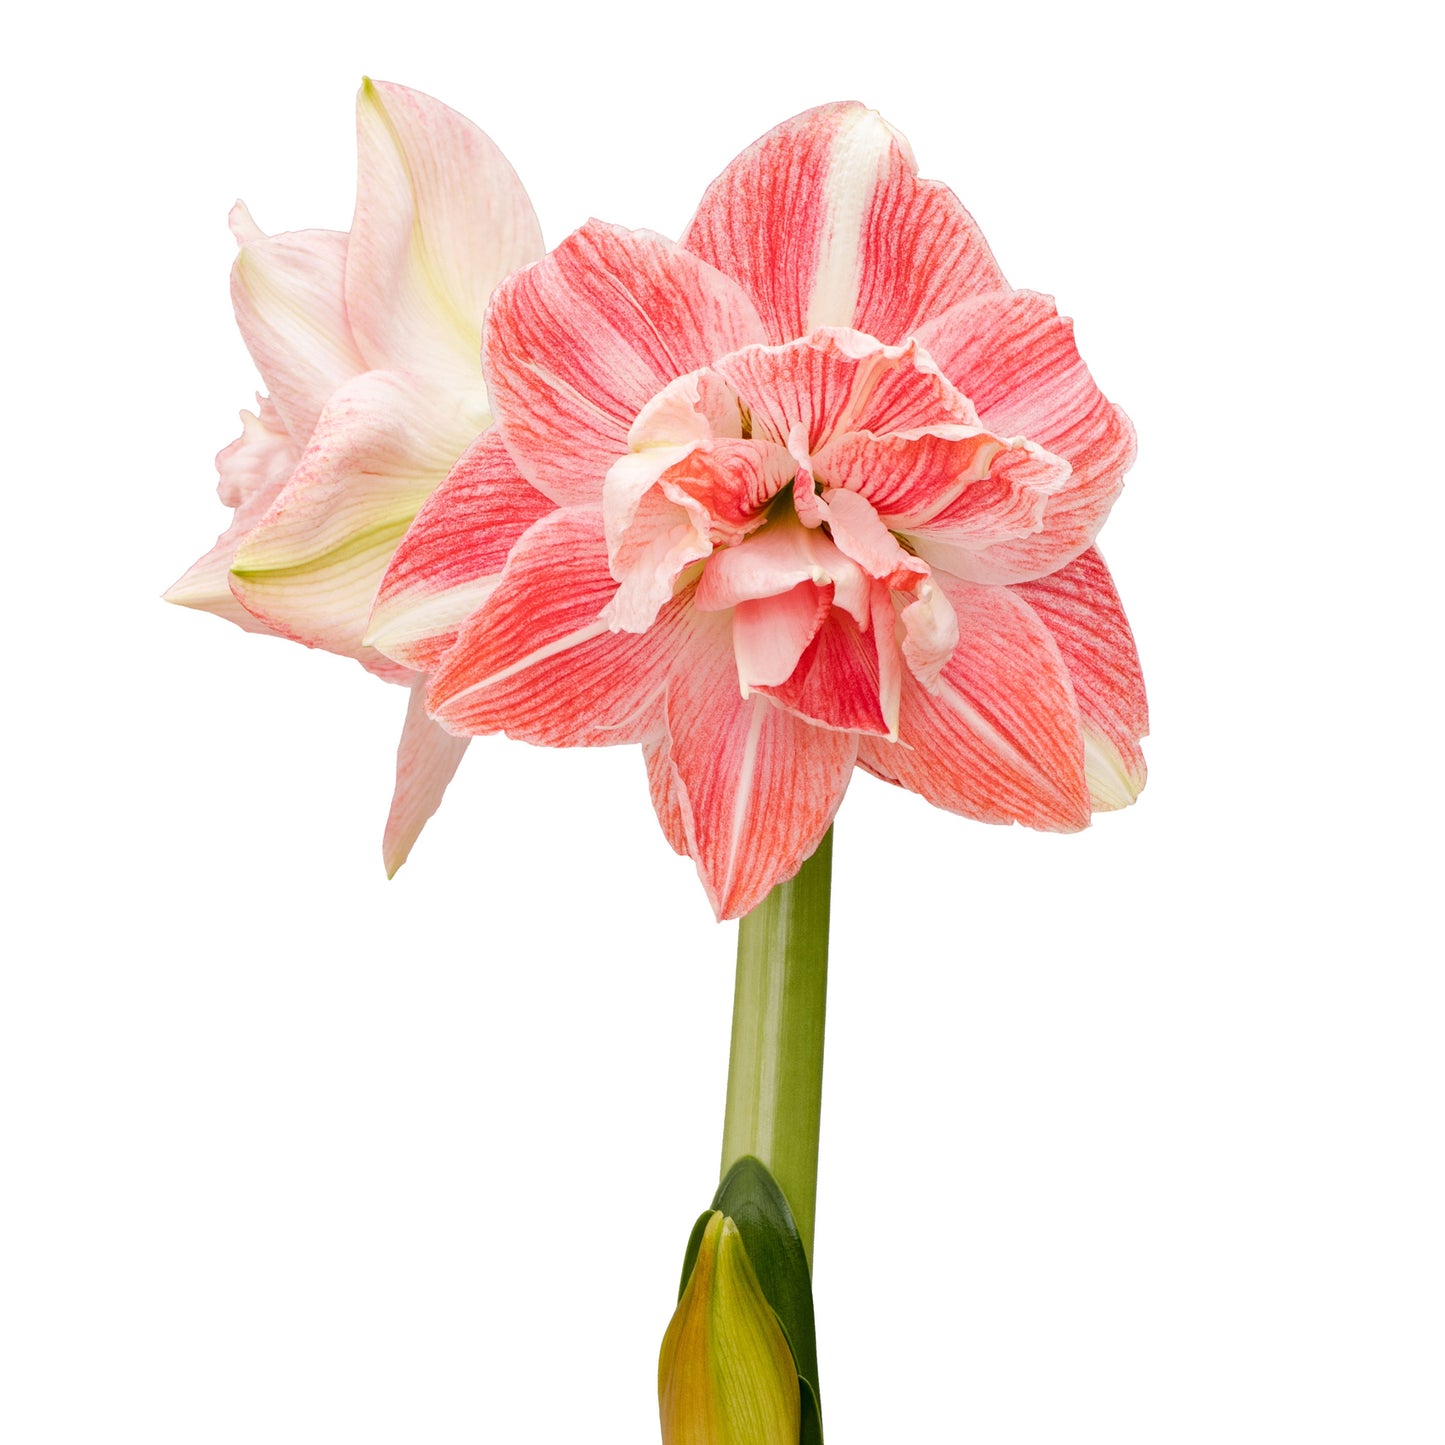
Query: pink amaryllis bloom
pixel 370 348
pixel 815 487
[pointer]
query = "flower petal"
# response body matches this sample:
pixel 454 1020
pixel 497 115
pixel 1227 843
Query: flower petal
pixel 537 660
pixel 426 760
pixel 441 218
pixel 663 785
pixel 577 345
pixel 825 222
pixel 770 634
pixel 839 679
pixel 776 559
pixel 310 569
pixel 998 739
pixel 1081 607
pixel 253 470
pixel 758 786
pixel 288 295
pixel 805 392
pixel 452 555
pixel 1015 358
pixel 654 531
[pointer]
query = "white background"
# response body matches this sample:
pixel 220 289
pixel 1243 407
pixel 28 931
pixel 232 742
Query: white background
pixel 1131 1137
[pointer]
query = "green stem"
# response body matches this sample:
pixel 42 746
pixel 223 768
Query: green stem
pixel 775 1069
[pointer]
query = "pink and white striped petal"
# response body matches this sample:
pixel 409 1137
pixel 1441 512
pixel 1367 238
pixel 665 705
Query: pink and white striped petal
pixel 1016 359
pixel 825 222
pixel 441 218
pixel 253 470
pixel 808 391
pixel 538 661
pixel 311 567
pixel 756 787
pixel 776 559
pixel 288 294
pixel 1081 608
pixel 998 738
pixel 452 555
pixel 847 677
pixel 577 345
pixel 666 793
pixel 770 634
pixel 426 761
pixel 911 476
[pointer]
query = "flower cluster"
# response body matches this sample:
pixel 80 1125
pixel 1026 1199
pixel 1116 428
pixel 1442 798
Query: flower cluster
pixel 812 489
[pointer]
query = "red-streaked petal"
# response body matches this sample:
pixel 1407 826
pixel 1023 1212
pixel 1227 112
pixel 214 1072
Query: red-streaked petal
pixel 666 793
pixel 311 568
pixel 1081 607
pixel 998 739
pixel 775 560
pixel 654 531
pixel 930 632
pixel 441 218
pixel 426 760
pixel 838 681
pixel 910 477
pixel 452 555
pixel 758 787
pixel 537 660
pixel 860 534
pixel 825 222
pixel 804 393
pixel 577 345
pixel 253 470
pixel 1016 358
pixel 770 634
pixel 288 294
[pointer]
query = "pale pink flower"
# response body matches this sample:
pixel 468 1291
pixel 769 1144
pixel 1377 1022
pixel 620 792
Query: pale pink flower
pixel 369 346
pixel 814 488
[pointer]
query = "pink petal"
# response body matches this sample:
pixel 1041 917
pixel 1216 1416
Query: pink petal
pixel 806 392
pixel 666 793
pixel 734 480
pixel 1016 358
pixel 770 634
pixel 253 470
pixel 838 682
pixel 912 477
pixel 930 632
pixel 577 345
pixel 311 568
pixel 288 294
pixel 998 739
pixel 441 218
pixel 825 223
pixel 1081 608
pixel 452 555
pixel 426 760
pixel 860 534
pixel 758 787
pixel 654 530
pixel 537 660
pixel 776 559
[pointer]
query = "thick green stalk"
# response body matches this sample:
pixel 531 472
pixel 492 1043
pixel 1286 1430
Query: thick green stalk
pixel 775 1069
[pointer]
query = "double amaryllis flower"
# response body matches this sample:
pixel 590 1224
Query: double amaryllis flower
pixel 369 346
pixel 814 488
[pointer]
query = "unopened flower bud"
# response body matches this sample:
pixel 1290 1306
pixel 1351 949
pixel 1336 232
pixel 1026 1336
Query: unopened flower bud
pixel 726 1375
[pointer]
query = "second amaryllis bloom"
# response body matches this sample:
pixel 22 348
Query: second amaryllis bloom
pixel 814 488
pixel 369 346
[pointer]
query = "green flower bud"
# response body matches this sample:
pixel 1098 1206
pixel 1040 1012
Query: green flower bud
pixel 726 1375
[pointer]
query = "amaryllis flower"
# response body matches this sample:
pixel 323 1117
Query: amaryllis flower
pixel 369 346
pixel 813 488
